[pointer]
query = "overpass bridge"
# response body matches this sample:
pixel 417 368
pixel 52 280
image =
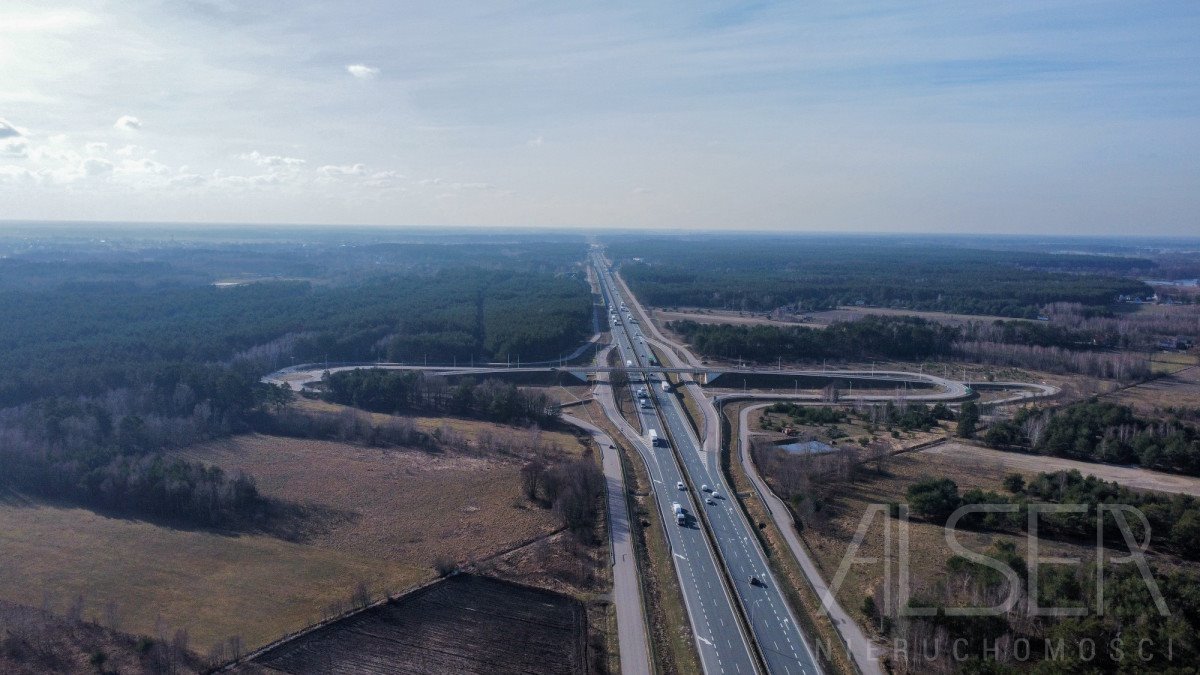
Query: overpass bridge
pixel 306 375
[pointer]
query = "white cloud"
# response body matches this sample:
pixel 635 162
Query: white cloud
pixel 187 180
pixel 96 148
pixel 362 71
pixel 344 170
pixel 128 123
pixel 14 147
pixel 144 166
pixel 455 185
pixel 383 179
pixel 15 174
pixel 41 23
pixel 127 151
pixel 270 160
pixel 94 166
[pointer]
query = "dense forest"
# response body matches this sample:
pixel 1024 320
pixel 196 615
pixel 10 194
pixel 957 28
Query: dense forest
pixel 86 339
pixel 806 273
pixel 1102 432
pixel 113 355
pixel 872 336
pixel 1007 343
pixel 406 391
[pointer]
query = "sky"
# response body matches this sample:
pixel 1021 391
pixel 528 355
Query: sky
pixel 999 117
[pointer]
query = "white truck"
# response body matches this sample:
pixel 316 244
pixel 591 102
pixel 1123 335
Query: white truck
pixel 657 442
pixel 666 386
pixel 628 363
pixel 680 514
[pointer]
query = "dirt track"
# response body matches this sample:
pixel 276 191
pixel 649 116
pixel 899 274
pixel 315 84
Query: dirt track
pixel 1140 479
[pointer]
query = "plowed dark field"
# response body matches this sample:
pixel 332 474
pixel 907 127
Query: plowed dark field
pixel 464 624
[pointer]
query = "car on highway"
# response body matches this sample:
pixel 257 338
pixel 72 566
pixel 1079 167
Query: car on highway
pixel 705 488
pixel 716 495
pixel 755 581
pixel 709 500
pixel 679 485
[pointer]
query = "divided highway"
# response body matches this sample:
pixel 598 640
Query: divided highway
pixel 719 640
pixel 722 646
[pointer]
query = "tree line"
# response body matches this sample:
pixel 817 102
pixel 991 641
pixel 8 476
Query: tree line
pixel 810 273
pixel 401 391
pixel 1096 431
pixel 907 338
pixel 914 339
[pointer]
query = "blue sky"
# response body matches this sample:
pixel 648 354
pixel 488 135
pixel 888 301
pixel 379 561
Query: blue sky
pixel 1065 117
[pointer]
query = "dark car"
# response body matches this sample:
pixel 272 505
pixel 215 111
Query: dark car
pixel 755 581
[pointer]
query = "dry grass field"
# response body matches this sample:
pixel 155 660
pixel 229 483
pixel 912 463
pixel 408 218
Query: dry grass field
pixel 386 518
pixel 993 462
pixel 212 585
pixel 1180 389
pixel 388 503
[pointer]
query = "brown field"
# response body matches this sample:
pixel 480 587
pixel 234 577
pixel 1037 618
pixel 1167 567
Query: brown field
pixel 392 504
pixel 997 463
pixel 718 316
pixel 1180 389
pixel 212 585
pixel 386 517
pixel 851 313
pixel 464 624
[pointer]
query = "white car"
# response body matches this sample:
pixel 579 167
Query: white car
pixel 717 495
pixel 710 500
pixel 705 488
pixel 679 485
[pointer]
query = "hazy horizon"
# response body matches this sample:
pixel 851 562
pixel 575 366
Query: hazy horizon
pixel 1077 118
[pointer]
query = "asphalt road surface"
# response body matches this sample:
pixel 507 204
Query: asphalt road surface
pixel 780 639
pixel 627 597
